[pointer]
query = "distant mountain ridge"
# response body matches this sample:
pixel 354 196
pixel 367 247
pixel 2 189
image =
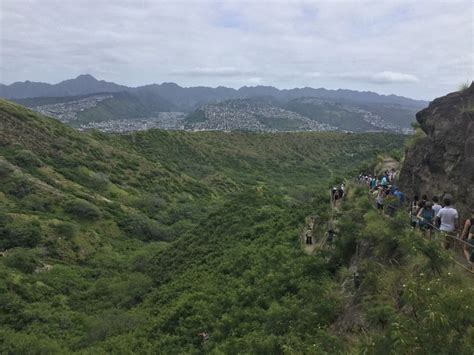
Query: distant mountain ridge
pixel 82 85
pixel 190 97
pixel 85 102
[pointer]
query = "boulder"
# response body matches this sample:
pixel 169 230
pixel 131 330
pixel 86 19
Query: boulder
pixel 442 162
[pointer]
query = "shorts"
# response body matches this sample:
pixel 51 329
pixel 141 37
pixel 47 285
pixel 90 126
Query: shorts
pixel 379 206
pixel 448 241
pixel 425 226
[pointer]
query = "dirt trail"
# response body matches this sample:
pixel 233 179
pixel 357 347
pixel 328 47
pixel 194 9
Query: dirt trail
pixel 319 229
pixel 386 164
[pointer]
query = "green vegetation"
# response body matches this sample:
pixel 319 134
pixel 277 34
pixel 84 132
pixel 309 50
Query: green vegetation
pixel 418 137
pixel 464 86
pixel 351 116
pixel 120 105
pixel 411 299
pixel 138 243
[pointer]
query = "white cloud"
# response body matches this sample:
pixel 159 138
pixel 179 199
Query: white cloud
pixel 313 74
pixel 388 77
pixel 416 48
pixel 254 81
pixel 210 72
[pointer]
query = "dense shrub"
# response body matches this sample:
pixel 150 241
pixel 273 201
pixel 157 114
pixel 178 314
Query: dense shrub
pixel 82 209
pixel 5 169
pixel 141 227
pixel 99 181
pixel 151 204
pixel 24 260
pixel 20 234
pixel 38 203
pixel 65 229
pixel 22 343
pixel 19 186
pixel 26 159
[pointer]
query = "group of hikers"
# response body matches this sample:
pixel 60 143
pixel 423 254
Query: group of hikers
pixel 382 187
pixel 331 234
pixel 337 193
pixel 429 215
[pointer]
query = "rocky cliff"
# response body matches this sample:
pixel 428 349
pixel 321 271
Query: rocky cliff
pixel 441 161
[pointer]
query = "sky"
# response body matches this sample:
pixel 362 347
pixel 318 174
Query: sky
pixel 419 48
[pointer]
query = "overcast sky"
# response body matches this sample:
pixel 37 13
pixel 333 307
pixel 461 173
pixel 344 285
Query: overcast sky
pixel 420 49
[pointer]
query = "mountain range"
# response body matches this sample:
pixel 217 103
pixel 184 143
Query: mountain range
pixel 85 101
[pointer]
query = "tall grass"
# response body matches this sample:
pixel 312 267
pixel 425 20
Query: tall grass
pixel 465 85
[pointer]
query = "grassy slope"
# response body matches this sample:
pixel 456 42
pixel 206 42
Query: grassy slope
pixel 190 231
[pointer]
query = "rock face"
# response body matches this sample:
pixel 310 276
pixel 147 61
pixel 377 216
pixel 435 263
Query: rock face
pixel 442 162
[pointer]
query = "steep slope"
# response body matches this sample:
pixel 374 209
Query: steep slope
pixel 138 243
pixel 403 293
pixel 440 160
pixel 50 171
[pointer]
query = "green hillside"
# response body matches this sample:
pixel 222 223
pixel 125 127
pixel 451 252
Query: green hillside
pixel 120 105
pixel 125 105
pixel 348 115
pixel 138 243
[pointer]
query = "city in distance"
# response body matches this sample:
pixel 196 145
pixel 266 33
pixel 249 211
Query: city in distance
pixel 236 177
pixel 87 103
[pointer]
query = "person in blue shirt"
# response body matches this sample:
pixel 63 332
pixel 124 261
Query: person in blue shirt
pixel 400 195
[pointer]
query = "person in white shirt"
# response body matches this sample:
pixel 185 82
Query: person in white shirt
pixel 449 218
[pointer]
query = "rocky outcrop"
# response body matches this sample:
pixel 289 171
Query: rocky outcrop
pixel 442 162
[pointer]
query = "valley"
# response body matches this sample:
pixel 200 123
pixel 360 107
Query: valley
pixel 155 236
pixel 258 109
pixel 236 177
pixel 142 242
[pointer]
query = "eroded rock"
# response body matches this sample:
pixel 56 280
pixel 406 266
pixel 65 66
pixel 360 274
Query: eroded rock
pixel 443 161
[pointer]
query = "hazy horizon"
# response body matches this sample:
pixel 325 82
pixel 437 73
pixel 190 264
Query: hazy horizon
pixel 419 50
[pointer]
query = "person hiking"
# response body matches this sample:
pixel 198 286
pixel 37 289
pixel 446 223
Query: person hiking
pixel 400 195
pixel 436 205
pixel 413 210
pixel 449 218
pixel 372 183
pixel 384 181
pixel 380 198
pixel 470 240
pixel 466 235
pixel 309 237
pixel 426 218
pixel 424 198
pixel 334 193
pixel 340 191
pixel 331 235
